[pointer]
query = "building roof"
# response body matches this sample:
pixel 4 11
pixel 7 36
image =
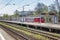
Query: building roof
pixel 25 12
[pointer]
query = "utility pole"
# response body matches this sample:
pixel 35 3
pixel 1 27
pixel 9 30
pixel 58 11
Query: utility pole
pixel 24 7
pixel 58 6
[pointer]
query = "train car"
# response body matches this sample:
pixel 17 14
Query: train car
pixel 28 19
pixel 39 20
pixel 33 19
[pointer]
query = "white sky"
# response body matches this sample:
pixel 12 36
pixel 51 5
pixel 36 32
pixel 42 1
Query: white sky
pixel 10 8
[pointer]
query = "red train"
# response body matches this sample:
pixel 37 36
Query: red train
pixel 34 19
pixel 39 20
pixel 28 19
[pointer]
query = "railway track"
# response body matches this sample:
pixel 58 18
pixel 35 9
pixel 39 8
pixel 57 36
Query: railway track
pixel 17 35
pixel 14 34
pixel 51 36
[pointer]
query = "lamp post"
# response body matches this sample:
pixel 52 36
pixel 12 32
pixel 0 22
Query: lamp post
pixel 23 10
pixel 24 6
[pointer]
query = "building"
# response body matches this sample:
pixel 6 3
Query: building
pixel 25 13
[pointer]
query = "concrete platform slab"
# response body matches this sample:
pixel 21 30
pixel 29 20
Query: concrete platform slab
pixel 5 36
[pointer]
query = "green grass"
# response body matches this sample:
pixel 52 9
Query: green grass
pixel 26 32
pixel 26 29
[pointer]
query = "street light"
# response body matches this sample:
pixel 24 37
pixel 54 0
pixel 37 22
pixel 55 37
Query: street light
pixel 23 10
pixel 24 6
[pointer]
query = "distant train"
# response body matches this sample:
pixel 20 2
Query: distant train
pixel 27 19
pixel 34 19
pixel 35 22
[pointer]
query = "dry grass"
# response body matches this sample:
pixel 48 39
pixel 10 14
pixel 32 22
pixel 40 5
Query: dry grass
pixel 26 32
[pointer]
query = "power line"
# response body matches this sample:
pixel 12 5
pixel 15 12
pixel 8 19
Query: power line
pixel 8 3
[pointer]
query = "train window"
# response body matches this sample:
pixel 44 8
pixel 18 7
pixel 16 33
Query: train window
pixel 43 13
pixel 51 13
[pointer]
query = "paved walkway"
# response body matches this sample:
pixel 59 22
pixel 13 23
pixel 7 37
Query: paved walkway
pixel 5 36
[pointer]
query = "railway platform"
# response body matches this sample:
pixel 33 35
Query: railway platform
pixel 49 35
pixel 43 26
pixel 46 25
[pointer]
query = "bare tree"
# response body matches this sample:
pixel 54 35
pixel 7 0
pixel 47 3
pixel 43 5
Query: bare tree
pixel 58 7
pixel 16 13
pixel 52 8
pixel 40 8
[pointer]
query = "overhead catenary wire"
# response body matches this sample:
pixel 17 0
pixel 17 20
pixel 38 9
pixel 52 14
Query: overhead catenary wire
pixel 29 3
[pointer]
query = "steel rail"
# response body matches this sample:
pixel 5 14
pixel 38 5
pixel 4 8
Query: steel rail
pixel 46 34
